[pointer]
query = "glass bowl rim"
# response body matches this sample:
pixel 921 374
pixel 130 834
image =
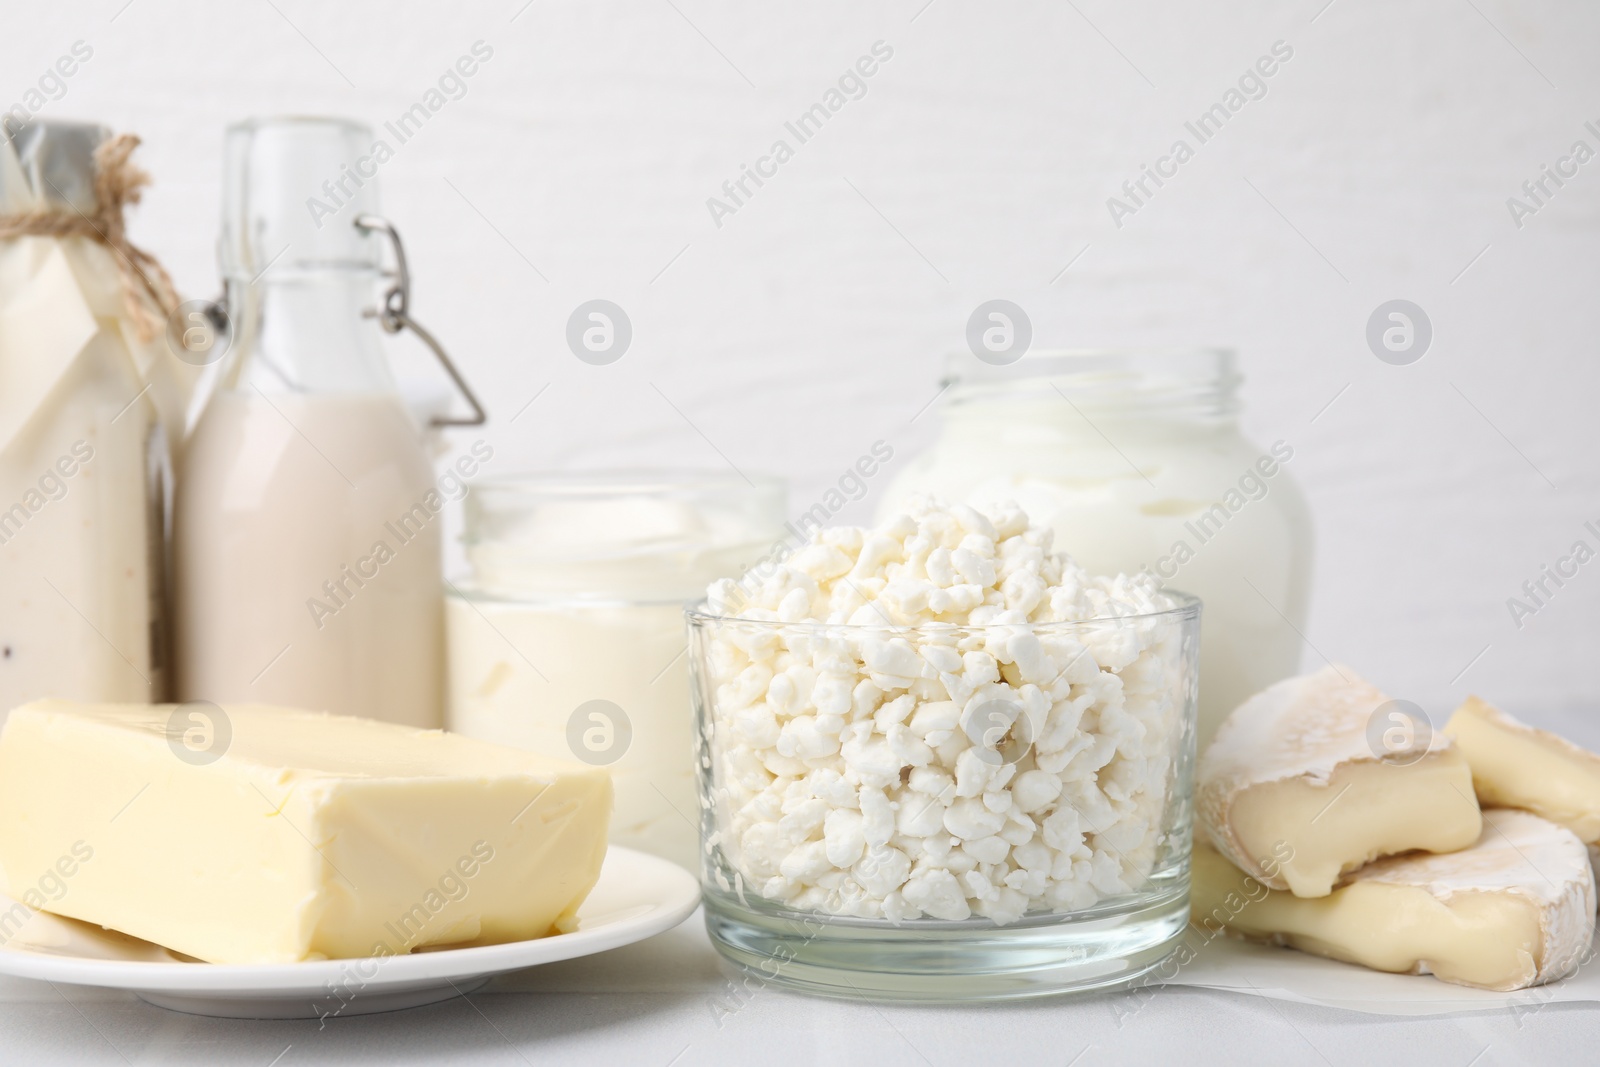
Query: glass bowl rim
pixel 1187 608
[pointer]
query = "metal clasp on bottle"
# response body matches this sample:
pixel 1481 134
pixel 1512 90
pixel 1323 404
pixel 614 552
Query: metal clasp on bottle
pixel 395 315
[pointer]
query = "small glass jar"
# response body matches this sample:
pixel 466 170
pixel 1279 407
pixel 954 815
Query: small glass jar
pixel 1136 461
pixel 946 848
pixel 567 638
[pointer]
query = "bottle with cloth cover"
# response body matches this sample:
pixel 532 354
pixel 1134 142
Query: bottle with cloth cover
pixel 92 398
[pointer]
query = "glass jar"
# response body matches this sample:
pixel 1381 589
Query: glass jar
pixel 987 850
pixel 1135 460
pixel 568 634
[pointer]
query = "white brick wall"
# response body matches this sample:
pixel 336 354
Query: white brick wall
pixel 806 327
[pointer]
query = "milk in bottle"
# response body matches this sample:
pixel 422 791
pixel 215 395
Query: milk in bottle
pixel 306 527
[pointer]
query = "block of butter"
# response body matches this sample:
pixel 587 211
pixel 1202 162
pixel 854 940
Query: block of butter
pixel 255 834
pixel 1514 910
pixel 1517 766
pixel 1294 774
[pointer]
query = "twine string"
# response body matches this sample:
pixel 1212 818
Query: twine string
pixel 148 294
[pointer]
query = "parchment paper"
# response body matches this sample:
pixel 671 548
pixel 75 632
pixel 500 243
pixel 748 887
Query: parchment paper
pixel 1284 974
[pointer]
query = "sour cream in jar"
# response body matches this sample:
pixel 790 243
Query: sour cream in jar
pixel 1135 459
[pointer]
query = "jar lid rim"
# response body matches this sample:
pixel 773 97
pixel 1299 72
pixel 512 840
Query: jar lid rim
pixel 1213 362
pixel 627 481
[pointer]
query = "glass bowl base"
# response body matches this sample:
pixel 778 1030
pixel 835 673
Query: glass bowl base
pixel 937 961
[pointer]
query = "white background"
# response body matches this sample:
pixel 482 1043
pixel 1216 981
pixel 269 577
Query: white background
pixel 977 166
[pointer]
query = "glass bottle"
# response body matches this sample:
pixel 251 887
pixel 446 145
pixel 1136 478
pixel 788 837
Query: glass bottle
pixel 307 518
pixel 87 408
pixel 1136 460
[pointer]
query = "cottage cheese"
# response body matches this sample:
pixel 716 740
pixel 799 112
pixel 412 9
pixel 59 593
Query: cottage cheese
pixel 916 720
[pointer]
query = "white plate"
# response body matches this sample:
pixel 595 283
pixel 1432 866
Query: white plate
pixel 638 896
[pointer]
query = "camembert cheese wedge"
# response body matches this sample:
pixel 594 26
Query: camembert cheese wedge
pixel 1293 790
pixel 1517 766
pixel 1516 909
pixel 262 835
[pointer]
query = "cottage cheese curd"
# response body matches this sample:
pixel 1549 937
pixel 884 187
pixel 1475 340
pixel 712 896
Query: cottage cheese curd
pixel 942 717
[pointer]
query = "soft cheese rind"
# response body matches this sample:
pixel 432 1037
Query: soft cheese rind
pixel 1514 910
pixel 1515 765
pixel 311 836
pixel 1292 772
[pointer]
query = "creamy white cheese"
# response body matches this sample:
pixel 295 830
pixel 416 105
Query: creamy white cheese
pixel 1515 765
pixel 1514 909
pixel 1294 772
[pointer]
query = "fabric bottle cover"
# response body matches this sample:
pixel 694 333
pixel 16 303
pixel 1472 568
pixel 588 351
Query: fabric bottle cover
pixel 55 292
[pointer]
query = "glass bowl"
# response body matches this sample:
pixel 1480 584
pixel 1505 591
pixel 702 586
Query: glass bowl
pixel 946 813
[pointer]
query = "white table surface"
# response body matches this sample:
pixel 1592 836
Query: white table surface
pixel 670 1000
pixel 667 1001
